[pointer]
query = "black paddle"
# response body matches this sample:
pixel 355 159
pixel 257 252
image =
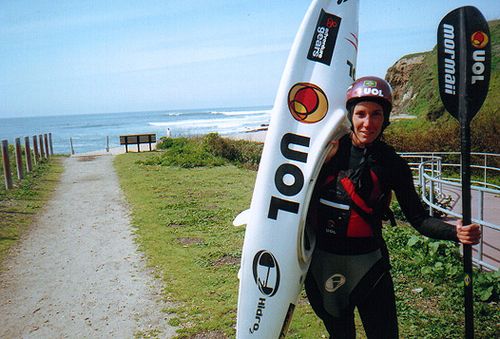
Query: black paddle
pixel 464 60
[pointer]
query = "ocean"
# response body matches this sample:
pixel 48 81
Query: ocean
pixel 89 132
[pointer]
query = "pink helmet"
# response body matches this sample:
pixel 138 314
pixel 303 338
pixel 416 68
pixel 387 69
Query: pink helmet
pixel 370 89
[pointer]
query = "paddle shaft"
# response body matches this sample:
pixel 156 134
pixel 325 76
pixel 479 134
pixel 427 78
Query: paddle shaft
pixel 466 216
pixel 465 148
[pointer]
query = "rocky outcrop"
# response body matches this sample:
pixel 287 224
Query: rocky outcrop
pixel 398 76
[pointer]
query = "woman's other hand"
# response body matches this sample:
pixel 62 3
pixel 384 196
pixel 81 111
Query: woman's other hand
pixel 468 235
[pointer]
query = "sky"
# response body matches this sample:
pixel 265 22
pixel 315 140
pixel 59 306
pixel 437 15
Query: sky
pixel 76 57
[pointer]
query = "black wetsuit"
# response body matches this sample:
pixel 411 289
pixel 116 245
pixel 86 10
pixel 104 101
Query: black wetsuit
pixel 360 276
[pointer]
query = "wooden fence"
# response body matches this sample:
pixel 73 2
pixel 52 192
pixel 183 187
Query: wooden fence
pixel 42 150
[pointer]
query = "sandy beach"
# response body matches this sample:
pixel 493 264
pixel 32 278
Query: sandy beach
pixel 257 136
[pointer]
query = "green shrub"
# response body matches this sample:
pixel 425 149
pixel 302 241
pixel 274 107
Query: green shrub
pixel 243 153
pixel 439 261
pixel 487 286
pixel 173 143
pixel 209 150
pixel 214 144
pixel 184 153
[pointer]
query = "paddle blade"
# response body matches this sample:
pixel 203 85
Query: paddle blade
pixel 464 61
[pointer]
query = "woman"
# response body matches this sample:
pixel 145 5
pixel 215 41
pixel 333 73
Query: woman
pixel 350 265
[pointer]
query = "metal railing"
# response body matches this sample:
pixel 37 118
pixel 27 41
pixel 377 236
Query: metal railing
pixel 488 168
pixel 431 169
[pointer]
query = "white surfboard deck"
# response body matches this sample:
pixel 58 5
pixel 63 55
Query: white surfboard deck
pixel 309 112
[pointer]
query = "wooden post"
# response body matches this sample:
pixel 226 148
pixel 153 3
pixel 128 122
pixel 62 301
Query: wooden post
pixel 50 144
pixel 149 139
pixel 126 144
pixel 27 151
pixel 71 144
pixel 40 142
pixel 35 149
pixel 46 140
pixel 19 160
pixel 107 143
pixel 6 165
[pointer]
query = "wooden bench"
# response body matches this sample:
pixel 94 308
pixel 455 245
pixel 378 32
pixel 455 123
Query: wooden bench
pixel 137 139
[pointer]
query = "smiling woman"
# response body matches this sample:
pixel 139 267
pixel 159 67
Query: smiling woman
pixel 367 121
pixel 369 103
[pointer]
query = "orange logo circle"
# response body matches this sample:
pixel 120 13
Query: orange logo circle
pixel 479 39
pixel 307 103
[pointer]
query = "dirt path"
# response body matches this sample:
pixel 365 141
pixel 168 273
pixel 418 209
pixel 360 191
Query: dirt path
pixel 78 273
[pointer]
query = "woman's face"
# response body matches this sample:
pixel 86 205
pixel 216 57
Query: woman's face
pixel 367 122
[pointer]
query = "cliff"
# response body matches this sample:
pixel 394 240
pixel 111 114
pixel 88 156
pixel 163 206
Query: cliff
pixel 399 76
pixel 415 84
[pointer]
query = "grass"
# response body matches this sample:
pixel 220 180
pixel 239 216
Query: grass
pixel 19 206
pixel 183 219
pixel 183 222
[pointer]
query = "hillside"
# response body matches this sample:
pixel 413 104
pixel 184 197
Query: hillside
pixel 415 83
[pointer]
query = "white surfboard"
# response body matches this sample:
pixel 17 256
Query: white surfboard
pixel 308 113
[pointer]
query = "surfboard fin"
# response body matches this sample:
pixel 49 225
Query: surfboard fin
pixel 242 218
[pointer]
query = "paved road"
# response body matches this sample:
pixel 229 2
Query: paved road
pixel 77 273
pixel 491 213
